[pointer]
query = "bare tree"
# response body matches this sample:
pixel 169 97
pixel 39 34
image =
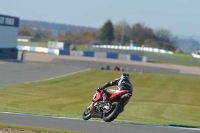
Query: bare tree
pixel 140 33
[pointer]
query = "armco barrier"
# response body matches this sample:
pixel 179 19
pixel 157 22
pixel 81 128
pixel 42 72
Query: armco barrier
pixel 83 53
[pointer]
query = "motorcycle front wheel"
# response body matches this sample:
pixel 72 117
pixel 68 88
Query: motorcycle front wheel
pixel 86 114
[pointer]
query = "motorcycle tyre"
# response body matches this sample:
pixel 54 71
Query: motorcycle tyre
pixel 88 116
pixel 113 114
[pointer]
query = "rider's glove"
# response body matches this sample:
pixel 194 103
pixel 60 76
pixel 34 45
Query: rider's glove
pixel 99 89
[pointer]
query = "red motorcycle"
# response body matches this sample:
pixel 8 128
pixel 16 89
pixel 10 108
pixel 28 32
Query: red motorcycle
pixel 107 110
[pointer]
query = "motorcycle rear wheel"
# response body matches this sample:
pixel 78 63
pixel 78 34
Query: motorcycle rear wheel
pixel 112 113
pixel 86 114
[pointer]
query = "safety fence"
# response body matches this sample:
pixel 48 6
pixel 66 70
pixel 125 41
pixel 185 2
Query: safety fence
pixel 148 49
pixel 195 55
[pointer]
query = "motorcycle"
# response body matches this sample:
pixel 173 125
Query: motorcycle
pixel 107 110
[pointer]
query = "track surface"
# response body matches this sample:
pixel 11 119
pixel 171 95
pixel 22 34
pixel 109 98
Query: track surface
pixel 133 66
pixel 87 126
pixel 15 73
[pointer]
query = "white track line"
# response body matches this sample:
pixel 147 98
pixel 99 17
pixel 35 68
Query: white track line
pixel 56 117
pixel 48 78
pixel 59 76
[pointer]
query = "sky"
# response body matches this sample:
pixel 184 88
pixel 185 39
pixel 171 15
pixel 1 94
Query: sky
pixel 181 17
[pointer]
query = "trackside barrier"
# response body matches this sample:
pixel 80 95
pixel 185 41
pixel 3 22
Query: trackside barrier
pixel 83 53
pixel 195 55
pixel 64 52
pixel 88 53
pixel 112 55
pixel 39 49
pixel 133 48
pixel 136 57
pixel 100 54
pixel 124 57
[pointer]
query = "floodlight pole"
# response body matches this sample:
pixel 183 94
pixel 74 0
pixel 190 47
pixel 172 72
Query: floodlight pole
pixel 122 33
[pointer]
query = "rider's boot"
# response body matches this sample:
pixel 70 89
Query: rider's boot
pixel 105 97
pixel 122 108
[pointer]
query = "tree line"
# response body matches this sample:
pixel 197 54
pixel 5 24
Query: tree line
pixel 110 34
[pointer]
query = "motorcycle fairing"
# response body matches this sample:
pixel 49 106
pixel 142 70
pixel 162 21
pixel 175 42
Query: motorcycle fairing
pixel 97 97
pixel 116 93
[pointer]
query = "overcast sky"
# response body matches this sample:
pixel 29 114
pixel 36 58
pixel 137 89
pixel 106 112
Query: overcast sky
pixel 181 17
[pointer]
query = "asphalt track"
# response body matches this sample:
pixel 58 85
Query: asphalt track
pixel 15 73
pixel 88 126
pixel 97 63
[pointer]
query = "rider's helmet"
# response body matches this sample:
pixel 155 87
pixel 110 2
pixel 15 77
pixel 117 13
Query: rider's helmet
pixel 125 76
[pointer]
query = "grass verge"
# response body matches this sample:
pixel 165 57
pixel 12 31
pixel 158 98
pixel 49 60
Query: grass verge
pixel 26 129
pixel 177 59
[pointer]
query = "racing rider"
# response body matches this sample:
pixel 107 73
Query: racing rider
pixel 123 83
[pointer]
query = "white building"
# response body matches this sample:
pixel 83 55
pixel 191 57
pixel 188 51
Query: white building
pixel 24 38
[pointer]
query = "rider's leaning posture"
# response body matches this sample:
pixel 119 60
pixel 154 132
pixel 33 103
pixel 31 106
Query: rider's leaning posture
pixel 123 83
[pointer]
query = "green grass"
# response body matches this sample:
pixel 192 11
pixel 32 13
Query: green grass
pixel 157 98
pixel 35 129
pixel 183 63
pixel 174 55
pixel 79 47
pixel 177 59
pixel 34 44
